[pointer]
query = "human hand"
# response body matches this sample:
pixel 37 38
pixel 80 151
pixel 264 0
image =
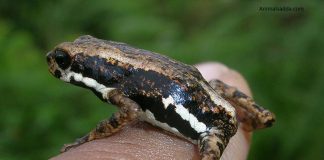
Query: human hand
pixel 143 141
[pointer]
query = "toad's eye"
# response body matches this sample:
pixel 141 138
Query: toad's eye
pixel 62 58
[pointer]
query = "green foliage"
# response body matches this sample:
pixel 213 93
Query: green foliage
pixel 280 54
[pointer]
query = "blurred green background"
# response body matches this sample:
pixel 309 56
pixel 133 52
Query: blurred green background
pixel 280 53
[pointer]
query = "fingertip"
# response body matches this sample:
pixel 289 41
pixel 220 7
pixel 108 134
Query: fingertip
pixel 210 70
pixel 216 70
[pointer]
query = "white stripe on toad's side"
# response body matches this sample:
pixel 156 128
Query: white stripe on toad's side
pixel 185 115
pixel 149 117
pixel 167 101
pixel 86 81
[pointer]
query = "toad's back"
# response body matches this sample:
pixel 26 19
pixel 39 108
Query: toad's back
pixel 140 58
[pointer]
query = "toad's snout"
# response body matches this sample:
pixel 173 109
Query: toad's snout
pixel 51 62
pixel 49 57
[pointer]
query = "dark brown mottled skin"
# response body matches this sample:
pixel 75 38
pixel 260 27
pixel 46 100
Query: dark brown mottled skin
pixel 141 80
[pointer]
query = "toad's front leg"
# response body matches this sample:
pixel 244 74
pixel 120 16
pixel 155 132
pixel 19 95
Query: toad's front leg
pixel 129 111
pixel 212 144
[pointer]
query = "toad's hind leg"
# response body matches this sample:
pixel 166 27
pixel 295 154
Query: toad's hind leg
pixel 251 114
pixel 129 111
pixel 212 144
